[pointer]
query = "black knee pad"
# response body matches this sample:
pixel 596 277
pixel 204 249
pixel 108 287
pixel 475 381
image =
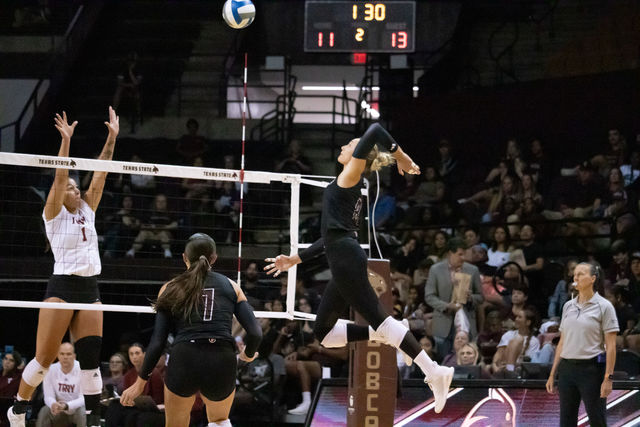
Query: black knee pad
pixel 88 352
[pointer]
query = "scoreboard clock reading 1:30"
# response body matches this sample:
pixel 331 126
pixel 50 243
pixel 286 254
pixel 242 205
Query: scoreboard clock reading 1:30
pixel 359 26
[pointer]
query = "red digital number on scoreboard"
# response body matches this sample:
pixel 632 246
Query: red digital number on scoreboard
pixel 321 39
pixel 399 39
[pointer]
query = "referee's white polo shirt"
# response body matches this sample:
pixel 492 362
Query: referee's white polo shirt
pixel 584 325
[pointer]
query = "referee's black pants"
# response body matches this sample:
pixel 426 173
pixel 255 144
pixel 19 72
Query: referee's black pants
pixel 581 380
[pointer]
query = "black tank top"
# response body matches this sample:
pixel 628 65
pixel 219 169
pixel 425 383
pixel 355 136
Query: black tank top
pixel 341 207
pixel 213 319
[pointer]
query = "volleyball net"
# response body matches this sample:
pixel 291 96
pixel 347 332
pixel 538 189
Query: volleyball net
pixel 146 214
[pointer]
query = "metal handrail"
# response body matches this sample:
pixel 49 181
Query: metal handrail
pixel 500 70
pixel 33 102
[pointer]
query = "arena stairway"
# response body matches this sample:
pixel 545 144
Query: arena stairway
pixel 23 44
pixel 162 34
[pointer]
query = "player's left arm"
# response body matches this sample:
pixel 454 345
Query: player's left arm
pixel 244 313
pixel 94 193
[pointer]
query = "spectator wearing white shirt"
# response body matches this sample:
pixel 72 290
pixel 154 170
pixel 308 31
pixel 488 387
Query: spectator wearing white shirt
pixel 64 402
pixel 517 344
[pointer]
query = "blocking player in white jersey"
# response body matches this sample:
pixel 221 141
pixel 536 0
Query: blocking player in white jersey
pixel 70 224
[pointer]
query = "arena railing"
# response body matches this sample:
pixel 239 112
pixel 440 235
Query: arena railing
pixel 62 58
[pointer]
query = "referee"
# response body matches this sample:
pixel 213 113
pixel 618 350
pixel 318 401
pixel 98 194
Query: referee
pixel 588 328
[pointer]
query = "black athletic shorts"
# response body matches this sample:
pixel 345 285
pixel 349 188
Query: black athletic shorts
pixel 76 289
pixel 200 365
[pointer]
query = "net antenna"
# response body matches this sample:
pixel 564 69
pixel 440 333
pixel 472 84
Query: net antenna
pixel 244 127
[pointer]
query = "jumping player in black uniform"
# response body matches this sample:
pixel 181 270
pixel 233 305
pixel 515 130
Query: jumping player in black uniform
pixel 349 285
pixel 198 307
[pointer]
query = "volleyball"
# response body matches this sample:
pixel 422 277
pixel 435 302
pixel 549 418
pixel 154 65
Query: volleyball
pixel 238 13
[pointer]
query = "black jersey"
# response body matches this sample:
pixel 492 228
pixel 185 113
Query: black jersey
pixel 213 319
pixel 341 207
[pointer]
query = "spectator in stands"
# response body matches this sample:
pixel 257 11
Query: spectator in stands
pixel 619 268
pixel 123 227
pixel 384 215
pixel 582 196
pixel 63 398
pixel 490 335
pixel 428 344
pixel 529 189
pixel 519 299
pixel 405 189
pixel 417 313
pixel 497 198
pixel 617 296
pixel 461 338
pixel 296 162
pixel 517 344
pixel 227 208
pixel 253 289
pixel 191 145
pixel 197 192
pixel 29 14
pixel 438 248
pixel 471 238
pixel 500 251
pixel 514 155
pixel 9 382
pixel 498 209
pixel 143 413
pixel 136 184
pixel 293 343
pixel 497 174
pixel 615 184
pixel 158 227
pixel 532 251
pixel 297 363
pixel 432 190
pixel 634 281
pixel 442 292
pixel 413 302
pixel 118 366
pixel 406 256
pixel 511 164
pixel 468 355
pixel 447 163
pixel 129 80
pixel 532 263
pixel 563 290
pixel 421 273
pixel 614 156
pixel 539 164
pixel 631 169
pixel 623 212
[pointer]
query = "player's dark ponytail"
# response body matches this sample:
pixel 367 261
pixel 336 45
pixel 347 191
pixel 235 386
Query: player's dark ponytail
pixel 183 295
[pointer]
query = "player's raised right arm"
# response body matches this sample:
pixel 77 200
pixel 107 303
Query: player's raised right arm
pixel 55 198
